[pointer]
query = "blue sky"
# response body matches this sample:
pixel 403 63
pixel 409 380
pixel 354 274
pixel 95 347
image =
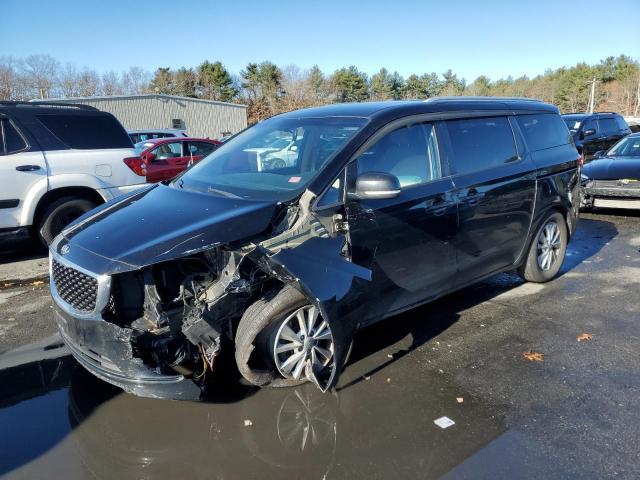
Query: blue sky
pixel 496 38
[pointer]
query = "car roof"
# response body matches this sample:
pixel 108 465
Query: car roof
pixel 178 139
pixel 432 105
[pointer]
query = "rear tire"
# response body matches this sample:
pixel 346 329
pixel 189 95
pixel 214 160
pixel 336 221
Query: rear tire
pixel 60 214
pixel 547 250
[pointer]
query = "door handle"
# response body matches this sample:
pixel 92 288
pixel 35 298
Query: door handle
pixel 28 168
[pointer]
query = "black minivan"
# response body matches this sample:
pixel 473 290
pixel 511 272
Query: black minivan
pixel 380 207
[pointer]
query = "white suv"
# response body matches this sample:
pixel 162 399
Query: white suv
pixel 57 162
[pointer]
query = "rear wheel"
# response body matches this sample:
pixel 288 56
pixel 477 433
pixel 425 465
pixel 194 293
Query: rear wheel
pixel 60 214
pixel 547 250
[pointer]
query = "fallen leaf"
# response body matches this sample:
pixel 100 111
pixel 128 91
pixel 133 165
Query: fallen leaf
pixel 533 356
pixel 460 399
pixel 583 337
pixel 248 423
pixel 38 282
pixel 7 285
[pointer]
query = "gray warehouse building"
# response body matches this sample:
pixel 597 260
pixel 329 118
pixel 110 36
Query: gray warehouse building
pixel 200 118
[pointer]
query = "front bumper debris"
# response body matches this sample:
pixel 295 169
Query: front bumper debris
pixel 105 350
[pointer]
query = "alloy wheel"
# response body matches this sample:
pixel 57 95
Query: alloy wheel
pixel 303 345
pixel 549 244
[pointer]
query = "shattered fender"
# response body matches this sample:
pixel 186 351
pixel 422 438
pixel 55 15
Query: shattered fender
pixel 335 285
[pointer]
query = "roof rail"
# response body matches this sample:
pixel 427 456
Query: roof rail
pixel 11 103
pixel 587 113
pixel 487 99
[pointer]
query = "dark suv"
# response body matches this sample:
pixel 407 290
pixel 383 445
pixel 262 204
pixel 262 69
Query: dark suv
pixel 386 206
pixel 595 132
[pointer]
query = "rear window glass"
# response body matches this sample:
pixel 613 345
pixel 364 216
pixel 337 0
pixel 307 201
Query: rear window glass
pixel 480 143
pixel 543 131
pixel 87 131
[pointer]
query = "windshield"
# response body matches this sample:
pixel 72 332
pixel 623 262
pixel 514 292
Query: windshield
pixel 627 147
pixel 247 166
pixel 573 123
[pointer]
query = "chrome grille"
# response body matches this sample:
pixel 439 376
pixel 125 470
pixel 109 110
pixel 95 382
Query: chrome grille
pixel 76 288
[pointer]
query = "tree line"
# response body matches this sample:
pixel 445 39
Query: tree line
pixel 268 89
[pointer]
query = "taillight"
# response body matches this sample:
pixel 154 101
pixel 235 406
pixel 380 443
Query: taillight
pixel 137 165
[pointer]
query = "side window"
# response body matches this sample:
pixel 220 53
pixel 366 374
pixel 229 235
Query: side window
pixel 543 131
pixel 12 141
pixel 608 125
pixel 410 153
pixel 480 143
pixel 168 150
pixel 199 148
pixel 590 124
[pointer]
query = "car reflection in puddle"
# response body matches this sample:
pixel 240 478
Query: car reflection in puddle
pixel 369 428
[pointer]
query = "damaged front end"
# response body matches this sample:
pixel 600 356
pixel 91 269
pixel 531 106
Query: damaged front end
pixel 157 330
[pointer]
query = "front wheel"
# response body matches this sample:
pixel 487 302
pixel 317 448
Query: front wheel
pixel 547 250
pixel 282 340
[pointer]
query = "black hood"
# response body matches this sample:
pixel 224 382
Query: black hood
pixel 162 223
pixel 613 168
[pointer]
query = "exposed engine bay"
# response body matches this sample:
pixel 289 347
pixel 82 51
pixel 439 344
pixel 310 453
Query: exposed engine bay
pixel 183 313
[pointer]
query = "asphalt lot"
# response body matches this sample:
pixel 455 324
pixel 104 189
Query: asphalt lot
pixel 571 412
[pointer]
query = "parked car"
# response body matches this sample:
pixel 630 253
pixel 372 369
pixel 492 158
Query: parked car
pixel 388 205
pixel 58 161
pixel 164 158
pixel 613 179
pixel 142 135
pixel 595 131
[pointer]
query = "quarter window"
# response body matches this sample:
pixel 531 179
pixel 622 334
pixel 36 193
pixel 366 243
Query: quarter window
pixel 409 152
pixel 12 141
pixel 543 131
pixel 480 143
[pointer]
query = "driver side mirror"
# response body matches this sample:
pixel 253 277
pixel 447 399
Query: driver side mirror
pixel 588 132
pixel 376 185
pixel 599 153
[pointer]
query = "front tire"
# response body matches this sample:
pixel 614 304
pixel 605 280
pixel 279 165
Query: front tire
pixel 280 338
pixel 60 214
pixel 547 250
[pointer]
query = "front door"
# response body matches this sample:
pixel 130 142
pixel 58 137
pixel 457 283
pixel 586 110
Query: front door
pixel 405 241
pixel 495 191
pixel 167 161
pixel 21 169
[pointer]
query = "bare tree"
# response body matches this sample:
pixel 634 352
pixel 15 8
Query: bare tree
pixel 11 83
pixel 68 81
pixel 111 84
pixel 88 83
pixel 135 81
pixel 41 73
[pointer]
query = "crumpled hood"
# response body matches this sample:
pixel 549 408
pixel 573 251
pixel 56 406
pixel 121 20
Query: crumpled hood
pixel 613 168
pixel 162 223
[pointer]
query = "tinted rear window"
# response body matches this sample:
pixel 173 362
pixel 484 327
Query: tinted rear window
pixel 543 130
pixel 480 143
pixel 87 131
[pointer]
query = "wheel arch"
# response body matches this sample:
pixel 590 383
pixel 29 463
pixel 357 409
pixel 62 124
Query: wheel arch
pixel 86 193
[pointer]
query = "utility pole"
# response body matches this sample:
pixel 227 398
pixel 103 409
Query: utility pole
pixel 592 97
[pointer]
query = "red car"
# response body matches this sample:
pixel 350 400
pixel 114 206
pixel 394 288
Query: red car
pixel 164 158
